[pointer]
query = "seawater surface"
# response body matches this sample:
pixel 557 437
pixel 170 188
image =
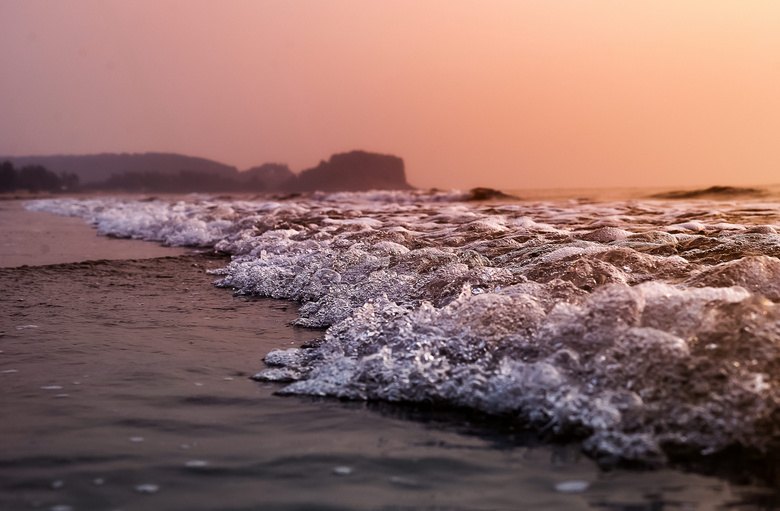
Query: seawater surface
pixel 125 386
pixel 647 329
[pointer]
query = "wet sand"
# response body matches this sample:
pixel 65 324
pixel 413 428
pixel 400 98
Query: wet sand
pixel 36 238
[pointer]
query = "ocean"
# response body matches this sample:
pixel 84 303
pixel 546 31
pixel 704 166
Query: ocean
pixel 558 350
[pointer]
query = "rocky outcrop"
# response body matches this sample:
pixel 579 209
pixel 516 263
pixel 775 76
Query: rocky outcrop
pixel 353 171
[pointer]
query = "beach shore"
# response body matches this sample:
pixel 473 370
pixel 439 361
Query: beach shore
pixel 35 238
pixel 125 385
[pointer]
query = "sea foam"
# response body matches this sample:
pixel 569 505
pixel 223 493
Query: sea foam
pixel 639 327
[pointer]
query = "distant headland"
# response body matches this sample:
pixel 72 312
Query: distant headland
pixel 175 173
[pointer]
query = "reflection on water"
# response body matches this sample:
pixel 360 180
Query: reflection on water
pixel 124 385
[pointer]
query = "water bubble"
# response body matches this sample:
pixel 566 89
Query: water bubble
pixel 404 481
pixel 342 471
pixel 572 486
pixel 147 488
pixel 196 463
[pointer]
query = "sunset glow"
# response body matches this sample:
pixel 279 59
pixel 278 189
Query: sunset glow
pixel 508 94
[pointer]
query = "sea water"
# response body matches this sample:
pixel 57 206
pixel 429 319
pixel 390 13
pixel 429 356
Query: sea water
pixel 125 385
pixel 646 328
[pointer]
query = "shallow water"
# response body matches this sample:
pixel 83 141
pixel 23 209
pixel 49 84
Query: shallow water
pixel 644 328
pixel 36 238
pixel 124 385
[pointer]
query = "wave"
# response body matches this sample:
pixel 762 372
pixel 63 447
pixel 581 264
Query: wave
pixel 640 327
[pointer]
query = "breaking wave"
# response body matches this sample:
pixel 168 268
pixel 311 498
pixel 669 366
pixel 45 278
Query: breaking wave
pixel 640 327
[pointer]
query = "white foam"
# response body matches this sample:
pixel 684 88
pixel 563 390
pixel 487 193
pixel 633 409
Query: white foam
pixel 634 321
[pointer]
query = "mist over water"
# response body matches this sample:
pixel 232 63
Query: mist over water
pixel 646 328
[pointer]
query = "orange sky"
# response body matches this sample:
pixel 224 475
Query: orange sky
pixel 509 94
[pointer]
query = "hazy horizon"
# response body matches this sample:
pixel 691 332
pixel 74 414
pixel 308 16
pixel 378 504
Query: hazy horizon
pixel 505 94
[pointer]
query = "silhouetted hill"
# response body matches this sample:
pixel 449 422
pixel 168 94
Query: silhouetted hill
pixel 272 177
pixel 94 168
pixel 172 173
pixel 186 181
pixel 353 171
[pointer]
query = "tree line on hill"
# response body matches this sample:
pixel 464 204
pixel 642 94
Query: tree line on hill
pixel 35 178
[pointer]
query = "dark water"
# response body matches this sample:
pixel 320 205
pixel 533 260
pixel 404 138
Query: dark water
pixel 124 385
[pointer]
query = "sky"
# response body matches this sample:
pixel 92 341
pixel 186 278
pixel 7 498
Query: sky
pixel 507 94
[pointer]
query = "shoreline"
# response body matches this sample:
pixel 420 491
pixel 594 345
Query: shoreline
pixel 36 238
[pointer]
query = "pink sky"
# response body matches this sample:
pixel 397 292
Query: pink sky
pixel 508 94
